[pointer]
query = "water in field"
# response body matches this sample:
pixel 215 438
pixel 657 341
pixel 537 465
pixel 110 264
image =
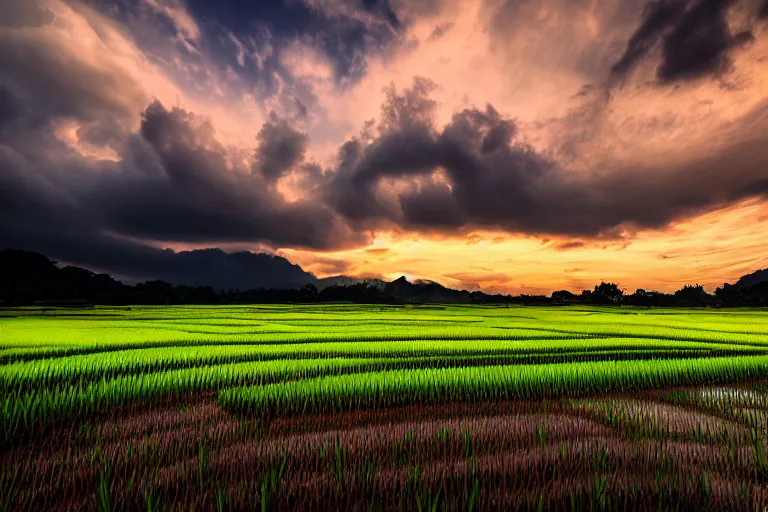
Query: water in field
pixel 384 408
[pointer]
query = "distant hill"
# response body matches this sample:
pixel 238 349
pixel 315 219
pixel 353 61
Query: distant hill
pixel 752 279
pixel 238 270
pixel 325 282
pixel 401 290
pixel 203 267
pixel 425 291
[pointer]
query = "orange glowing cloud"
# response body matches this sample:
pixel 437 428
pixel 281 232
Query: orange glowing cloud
pixel 710 249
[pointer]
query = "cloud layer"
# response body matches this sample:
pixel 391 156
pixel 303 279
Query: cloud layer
pixel 320 125
pixel 474 172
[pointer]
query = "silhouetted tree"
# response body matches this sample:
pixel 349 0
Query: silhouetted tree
pixel 607 293
pixel 563 297
pixel 735 295
pixel 307 293
pixel 693 296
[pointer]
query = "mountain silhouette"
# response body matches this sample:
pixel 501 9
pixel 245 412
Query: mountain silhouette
pixel 756 277
pixel 238 270
pixel 343 280
pixel 212 276
pixel 202 267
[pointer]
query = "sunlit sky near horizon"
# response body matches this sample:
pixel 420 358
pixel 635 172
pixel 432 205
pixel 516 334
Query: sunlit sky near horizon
pixel 513 146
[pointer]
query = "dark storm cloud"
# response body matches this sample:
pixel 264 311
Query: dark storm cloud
pixel 346 32
pixel 8 105
pixel 281 147
pixel 343 30
pixel 289 17
pixel 15 13
pixel 488 178
pixel 174 182
pixel 699 43
pixel 694 37
pixel 403 149
pixel 384 9
pixel 238 44
pixel 198 194
pixel 432 206
pixel 658 16
pixel 763 12
pixel 30 72
pixel 235 41
pixel 40 81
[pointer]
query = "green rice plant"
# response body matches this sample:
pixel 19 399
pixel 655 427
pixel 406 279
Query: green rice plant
pixel 385 389
pixel 103 499
pixel 25 410
pixel 22 412
pixel 167 327
pixel 75 369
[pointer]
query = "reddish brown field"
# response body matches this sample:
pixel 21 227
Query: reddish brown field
pixel 695 449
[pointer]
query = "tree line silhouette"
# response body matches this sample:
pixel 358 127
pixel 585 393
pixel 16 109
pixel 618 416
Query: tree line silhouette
pixel 30 278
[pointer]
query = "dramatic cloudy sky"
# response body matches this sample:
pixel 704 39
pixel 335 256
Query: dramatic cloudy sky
pixel 515 146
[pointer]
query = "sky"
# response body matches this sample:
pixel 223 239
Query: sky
pixel 513 146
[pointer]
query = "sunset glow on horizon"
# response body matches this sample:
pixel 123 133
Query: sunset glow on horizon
pixel 697 251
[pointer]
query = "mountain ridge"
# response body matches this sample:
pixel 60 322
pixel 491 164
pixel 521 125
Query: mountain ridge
pixel 756 277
